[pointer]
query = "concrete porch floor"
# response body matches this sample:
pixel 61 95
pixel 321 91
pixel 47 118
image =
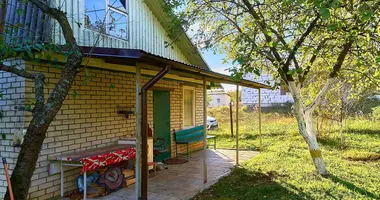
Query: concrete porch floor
pixel 184 181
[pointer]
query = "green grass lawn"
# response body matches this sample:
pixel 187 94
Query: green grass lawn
pixel 284 170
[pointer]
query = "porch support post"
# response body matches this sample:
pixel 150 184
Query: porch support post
pixel 144 130
pixel 237 125
pixel 138 133
pixel 204 130
pixel 261 142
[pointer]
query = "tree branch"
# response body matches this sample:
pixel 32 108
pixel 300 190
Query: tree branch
pixel 263 28
pixel 313 58
pixel 301 40
pixel 364 74
pixel 39 82
pixel 282 69
pixel 72 65
pixel 341 57
pixel 318 99
pixel 19 72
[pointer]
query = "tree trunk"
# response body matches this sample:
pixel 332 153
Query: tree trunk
pixel 307 130
pixel 36 133
pixel 26 162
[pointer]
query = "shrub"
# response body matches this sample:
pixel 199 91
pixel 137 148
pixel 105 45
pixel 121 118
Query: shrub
pixel 376 113
pixel 365 106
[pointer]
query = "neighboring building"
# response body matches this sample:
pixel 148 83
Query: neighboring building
pixel 269 98
pixel 90 120
pixel 218 97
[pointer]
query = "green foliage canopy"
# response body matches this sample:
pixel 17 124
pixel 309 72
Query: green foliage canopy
pixel 289 39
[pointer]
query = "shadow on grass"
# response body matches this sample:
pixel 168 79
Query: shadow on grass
pixel 353 187
pixel 362 131
pixel 333 143
pixel 247 185
pixel 249 135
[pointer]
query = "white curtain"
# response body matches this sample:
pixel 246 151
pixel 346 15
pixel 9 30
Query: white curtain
pixel 188 108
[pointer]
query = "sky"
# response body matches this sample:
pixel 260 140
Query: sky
pixel 215 62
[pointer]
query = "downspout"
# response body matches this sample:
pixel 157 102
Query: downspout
pixel 144 130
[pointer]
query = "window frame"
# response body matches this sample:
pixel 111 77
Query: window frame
pixel 109 8
pixel 183 107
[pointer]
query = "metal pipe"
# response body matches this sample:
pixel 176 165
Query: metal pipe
pixel 62 180
pixel 144 130
pixel 138 132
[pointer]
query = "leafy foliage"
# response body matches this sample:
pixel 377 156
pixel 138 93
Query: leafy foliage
pixel 297 42
pixel 376 113
pixel 283 37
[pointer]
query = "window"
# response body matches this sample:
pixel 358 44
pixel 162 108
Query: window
pixel 218 100
pixel 188 107
pixel 107 16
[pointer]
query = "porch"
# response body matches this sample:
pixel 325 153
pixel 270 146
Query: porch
pixel 184 181
pixel 153 69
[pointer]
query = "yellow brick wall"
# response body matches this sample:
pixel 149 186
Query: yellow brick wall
pixel 90 120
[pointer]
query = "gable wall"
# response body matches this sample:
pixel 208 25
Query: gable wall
pixel 250 96
pixel 224 100
pixel 145 31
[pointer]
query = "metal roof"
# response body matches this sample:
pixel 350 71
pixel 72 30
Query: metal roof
pixel 182 40
pixel 131 56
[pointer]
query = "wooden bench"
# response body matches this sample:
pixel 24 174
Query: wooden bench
pixel 187 136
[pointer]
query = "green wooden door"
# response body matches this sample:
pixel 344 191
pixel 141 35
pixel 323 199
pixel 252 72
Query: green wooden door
pixel 161 121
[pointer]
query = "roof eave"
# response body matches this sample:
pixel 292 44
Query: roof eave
pixel 142 56
pixel 183 41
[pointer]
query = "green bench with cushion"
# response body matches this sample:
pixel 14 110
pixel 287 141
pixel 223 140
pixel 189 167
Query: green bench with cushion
pixel 187 136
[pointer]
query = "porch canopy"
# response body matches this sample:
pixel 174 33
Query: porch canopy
pixel 155 62
pixel 165 67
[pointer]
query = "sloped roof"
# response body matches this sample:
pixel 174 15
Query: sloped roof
pixel 131 56
pixel 183 41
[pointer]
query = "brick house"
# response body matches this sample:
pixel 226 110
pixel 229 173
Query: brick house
pixel 89 119
pixel 269 98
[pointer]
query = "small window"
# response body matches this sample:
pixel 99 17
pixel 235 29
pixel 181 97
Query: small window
pixel 188 107
pixel 108 17
pixel 218 100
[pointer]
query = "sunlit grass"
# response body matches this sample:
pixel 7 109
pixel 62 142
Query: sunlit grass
pixel 285 171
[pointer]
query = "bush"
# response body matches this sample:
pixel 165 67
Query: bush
pixel 365 106
pixel 219 111
pixel 376 113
